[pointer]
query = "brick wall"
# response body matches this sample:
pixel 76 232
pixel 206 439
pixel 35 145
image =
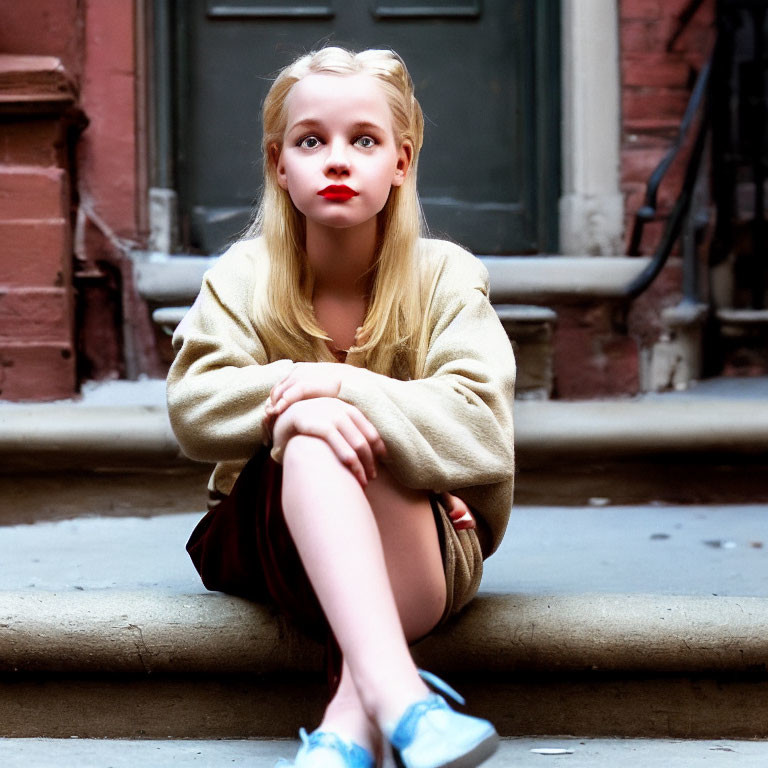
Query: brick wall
pixel 37 350
pixel 599 347
pixel 68 197
pixel 655 86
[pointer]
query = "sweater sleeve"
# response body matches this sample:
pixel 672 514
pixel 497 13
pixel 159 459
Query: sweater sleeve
pixel 451 429
pixel 220 379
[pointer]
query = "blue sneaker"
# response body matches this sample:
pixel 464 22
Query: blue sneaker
pixel 432 735
pixel 325 749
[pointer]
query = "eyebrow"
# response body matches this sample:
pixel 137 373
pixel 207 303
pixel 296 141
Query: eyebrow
pixel 309 123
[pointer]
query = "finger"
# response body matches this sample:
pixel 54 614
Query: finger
pixel 344 452
pixel 369 431
pixel 288 397
pixel 294 392
pixel 293 389
pixel 360 445
pixel 277 391
pixel 448 501
pixel 346 455
pixel 462 520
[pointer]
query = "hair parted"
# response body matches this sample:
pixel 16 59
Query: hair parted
pixel 394 317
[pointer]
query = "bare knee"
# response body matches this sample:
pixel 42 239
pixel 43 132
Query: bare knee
pixel 303 452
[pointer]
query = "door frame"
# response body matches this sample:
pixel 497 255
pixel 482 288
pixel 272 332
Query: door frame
pixel 581 209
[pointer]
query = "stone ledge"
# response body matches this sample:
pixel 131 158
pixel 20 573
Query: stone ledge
pixel 99 430
pixel 642 426
pixel 143 633
pixel 514 279
pixel 48 435
pixel 34 84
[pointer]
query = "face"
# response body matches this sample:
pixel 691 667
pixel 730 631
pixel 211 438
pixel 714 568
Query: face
pixel 339 159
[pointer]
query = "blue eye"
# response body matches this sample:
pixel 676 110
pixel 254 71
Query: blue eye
pixel 366 142
pixel 309 142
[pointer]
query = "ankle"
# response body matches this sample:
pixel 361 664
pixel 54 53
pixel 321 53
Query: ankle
pixel 396 705
pixel 352 726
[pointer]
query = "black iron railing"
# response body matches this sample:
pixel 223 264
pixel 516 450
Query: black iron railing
pixel 695 120
pixel 726 128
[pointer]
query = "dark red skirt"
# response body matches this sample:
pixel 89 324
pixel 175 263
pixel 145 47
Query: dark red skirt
pixel 243 547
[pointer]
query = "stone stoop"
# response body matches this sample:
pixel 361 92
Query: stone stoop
pixel 104 663
pixel 111 664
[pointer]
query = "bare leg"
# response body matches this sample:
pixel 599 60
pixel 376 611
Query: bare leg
pixel 351 543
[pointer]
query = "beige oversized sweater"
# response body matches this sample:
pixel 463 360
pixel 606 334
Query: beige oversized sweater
pixel 449 431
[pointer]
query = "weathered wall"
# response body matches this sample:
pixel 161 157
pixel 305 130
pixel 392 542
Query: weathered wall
pixel 107 185
pixel 598 348
pixel 68 203
pixel 657 79
pixel 37 113
pixel 44 28
pixel 656 85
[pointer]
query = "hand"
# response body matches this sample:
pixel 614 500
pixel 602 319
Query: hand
pixel 305 381
pixel 355 441
pixel 458 512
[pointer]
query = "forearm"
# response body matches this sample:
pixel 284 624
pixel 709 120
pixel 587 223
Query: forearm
pixel 218 414
pixel 440 434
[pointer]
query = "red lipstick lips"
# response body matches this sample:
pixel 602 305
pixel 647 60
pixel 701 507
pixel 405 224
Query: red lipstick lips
pixel 338 193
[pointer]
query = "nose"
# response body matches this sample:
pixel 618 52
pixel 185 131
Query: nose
pixel 337 161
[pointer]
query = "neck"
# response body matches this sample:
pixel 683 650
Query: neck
pixel 341 258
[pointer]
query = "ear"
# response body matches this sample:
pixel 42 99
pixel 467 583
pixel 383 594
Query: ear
pixel 275 158
pixel 404 157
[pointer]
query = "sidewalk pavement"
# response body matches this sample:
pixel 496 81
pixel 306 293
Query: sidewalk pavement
pixel 665 550
pixel 579 753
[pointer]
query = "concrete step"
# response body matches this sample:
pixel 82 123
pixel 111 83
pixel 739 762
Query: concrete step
pixel 579 753
pixel 115 664
pixel 707 444
pixel 105 631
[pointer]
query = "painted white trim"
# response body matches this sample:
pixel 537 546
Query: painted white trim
pixel 591 206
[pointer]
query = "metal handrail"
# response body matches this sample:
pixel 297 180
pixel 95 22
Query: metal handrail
pixel 698 104
pixel 647 212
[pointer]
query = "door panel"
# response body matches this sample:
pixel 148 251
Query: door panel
pixel 477 76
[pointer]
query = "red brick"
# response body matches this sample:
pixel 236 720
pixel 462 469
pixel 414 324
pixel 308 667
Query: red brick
pixel 665 126
pixel 37 371
pixel 107 150
pixel 36 315
pixel 647 140
pixel 655 70
pixel 640 9
pixel 642 37
pixel 634 197
pixel 637 37
pixel 676 7
pixel 32 193
pixel 638 164
pixel 32 142
pixel 644 320
pixel 655 103
pixel 43 27
pixel 35 253
pixel 652 234
pixel 591 359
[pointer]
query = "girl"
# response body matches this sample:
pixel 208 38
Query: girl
pixel 349 377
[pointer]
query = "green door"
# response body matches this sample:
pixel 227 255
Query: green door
pixel 486 74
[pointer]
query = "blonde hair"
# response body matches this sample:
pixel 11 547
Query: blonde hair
pixel 286 320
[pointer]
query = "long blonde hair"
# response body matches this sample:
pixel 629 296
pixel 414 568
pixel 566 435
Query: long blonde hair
pixel 286 321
